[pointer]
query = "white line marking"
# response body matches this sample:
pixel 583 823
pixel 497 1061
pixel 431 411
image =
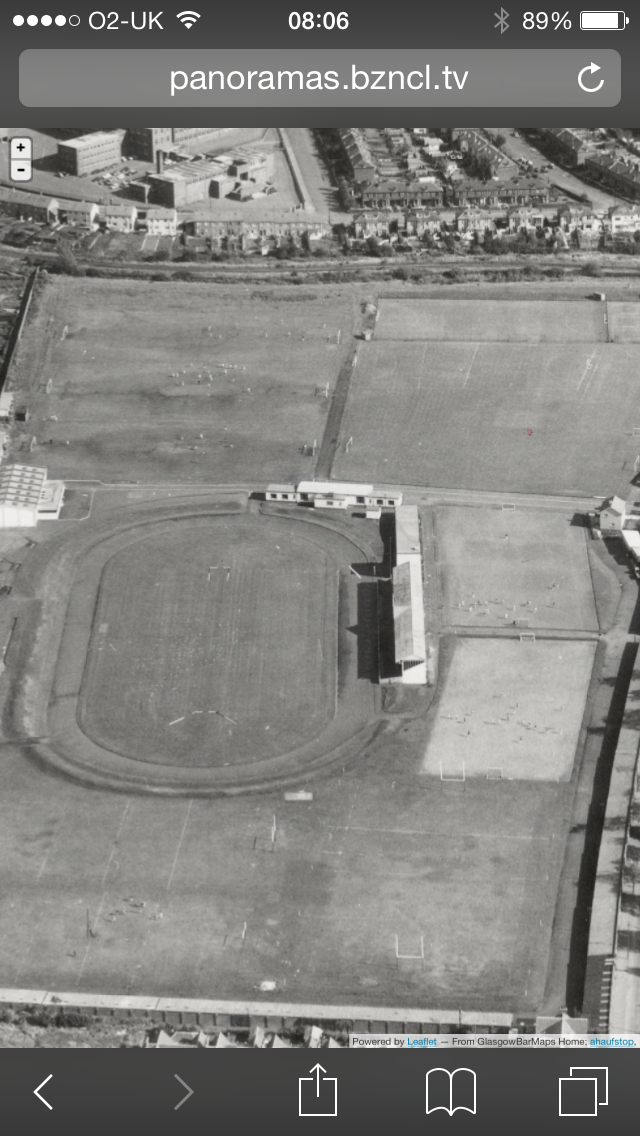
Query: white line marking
pixel 86 953
pixel 43 864
pixel 471 365
pixel 175 861
pixel 115 842
pixel 176 720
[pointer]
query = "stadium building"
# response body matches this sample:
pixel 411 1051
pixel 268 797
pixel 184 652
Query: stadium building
pixel 408 598
pixel 26 497
pixel 334 495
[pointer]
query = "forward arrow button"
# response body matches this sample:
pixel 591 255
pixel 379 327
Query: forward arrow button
pixel 189 1092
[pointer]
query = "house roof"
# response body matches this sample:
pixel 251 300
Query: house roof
pixel 119 210
pixel 35 200
pixel 78 206
pixel 329 487
pixel 21 485
pixel 614 505
pixel 631 538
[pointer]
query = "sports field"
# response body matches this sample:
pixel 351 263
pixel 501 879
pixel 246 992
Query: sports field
pixel 379 851
pixel 212 897
pixel 498 567
pixel 179 382
pixel 624 322
pixel 510 710
pixel 212 643
pixel 492 321
pixel 512 417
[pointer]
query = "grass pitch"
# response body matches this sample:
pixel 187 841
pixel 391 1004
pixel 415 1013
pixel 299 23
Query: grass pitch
pixel 500 567
pixel 492 321
pixel 379 851
pixel 179 382
pixel 523 418
pixel 624 322
pixel 510 709
pixel 212 644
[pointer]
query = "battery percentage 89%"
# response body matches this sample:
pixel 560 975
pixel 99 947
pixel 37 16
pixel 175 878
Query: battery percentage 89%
pixel 539 21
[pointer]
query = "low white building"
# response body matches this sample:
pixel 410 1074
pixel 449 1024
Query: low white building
pixel 624 219
pixel 612 514
pixel 6 405
pixel 162 222
pixel 344 494
pixel 26 496
pixel 122 218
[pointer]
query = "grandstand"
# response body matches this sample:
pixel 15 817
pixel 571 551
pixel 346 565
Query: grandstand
pixel 408 600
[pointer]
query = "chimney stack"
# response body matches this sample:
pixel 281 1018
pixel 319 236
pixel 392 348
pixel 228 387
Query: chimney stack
pixel 160 161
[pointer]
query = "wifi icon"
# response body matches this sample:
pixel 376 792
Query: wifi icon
pixel 188 18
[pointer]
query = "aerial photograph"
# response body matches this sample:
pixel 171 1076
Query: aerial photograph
pixel 319 568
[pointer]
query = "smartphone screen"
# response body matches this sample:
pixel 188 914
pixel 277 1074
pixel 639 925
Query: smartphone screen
pixel 319 562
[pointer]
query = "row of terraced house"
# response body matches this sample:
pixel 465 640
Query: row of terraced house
pixel 123 217
pixel 568 216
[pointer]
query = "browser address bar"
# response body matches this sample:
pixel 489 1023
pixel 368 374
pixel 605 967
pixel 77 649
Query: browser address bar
pixel 416 77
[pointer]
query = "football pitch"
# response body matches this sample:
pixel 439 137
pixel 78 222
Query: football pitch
pixel 213 642
pixel 517 321
pixel 504 567
pixel 510 709
pixel 510 417
pixel 167 382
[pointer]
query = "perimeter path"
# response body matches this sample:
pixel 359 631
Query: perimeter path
pixel 412 494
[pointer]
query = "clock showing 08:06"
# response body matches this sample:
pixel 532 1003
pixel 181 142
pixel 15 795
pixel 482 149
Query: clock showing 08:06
pixel 325 20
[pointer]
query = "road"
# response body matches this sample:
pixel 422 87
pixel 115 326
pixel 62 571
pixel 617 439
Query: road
pixel 316 177
pixel 521 149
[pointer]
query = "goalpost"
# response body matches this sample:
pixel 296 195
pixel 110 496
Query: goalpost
pixel 457 778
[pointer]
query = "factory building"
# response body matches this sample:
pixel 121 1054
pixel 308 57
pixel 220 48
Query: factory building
pixel 90 152
pixel 144 142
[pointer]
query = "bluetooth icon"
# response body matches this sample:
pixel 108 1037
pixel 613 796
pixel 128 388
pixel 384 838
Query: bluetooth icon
pixel 502 21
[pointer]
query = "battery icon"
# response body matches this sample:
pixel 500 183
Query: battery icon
pixel 603 21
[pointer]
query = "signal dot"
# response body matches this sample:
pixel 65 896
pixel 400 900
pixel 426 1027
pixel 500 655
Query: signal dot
pixel 61 21
pixel 32 21
pixel 18 21
pixel 74 21
pixel 46 20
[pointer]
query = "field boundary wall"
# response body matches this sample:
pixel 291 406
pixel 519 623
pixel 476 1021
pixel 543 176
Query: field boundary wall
pixel 296 172
pixel 604 1003
pixel 18 326
pixel 275 1015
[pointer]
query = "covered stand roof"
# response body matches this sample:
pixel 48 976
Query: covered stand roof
pixel 408 613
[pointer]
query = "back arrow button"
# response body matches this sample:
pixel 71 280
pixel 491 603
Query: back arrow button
pixel 37 1092
pixel 591 68
pixel 189 1092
